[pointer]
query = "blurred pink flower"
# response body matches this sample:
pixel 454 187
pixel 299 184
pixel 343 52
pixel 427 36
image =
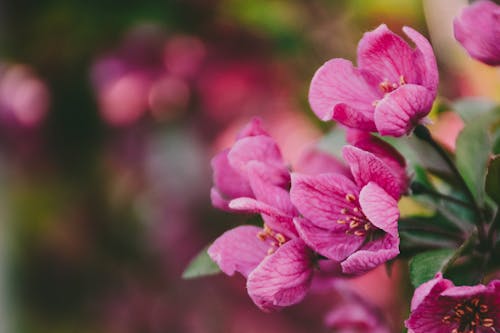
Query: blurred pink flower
pixel 439 306
pixel 143 75
pixel 23 96
pixel 477 28
pixel 362 209
pixel 390 92
pixel 355 315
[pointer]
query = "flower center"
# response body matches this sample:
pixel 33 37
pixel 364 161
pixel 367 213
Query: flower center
pixel 386 86
pixel 275 239
pixel 469 315
pixel 356 222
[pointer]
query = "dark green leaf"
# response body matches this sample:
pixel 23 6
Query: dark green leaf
pixel 493 179
pixel 474 147
pixel 201 265
pixel 425 265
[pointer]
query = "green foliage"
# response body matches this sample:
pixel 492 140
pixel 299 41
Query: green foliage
pixel 201 265
pixel 474 146
pixel 425 265
pixel 493 179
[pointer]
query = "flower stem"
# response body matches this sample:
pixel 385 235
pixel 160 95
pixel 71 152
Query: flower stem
pixel 419 188
pixel 424 134
pixel 458 253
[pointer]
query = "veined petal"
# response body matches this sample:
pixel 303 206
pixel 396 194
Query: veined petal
pixel 338 82
pixel 401 110
pixel 334 245
pixel 386 55
pixel 371 255
pixel 425 60
pixel 385 152
pixel 238 250
pixel 283 278
pixel 380 208
pixel 322 198
pixel 277 221
pixel 366 167
pixel 436 286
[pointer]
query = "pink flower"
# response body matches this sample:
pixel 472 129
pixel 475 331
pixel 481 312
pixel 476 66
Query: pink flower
pixel 278 268
pixel 355 314
pixel 354 222
pixel 439 306
pixel 392 89
pixel 253 151
pixel 477 28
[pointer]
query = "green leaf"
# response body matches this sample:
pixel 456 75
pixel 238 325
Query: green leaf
pixel 493 179
pixel 425 265
pixel 201 265
pixel 470 108
pixel 474 147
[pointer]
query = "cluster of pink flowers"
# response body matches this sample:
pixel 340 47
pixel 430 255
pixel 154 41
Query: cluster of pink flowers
pixel 345 214
pixel 321 211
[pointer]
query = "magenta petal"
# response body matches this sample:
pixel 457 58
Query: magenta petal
pixel 371 255
pixel 260 149
pixel 228 181
pixel 401 110
pixel 334 245
pixel 338 82
pixel 253 128
pixel 218 201
pixel 349 117
pixel 314 161
pixel 477 28
pixel 238 250
pixel 366 167
pixel 283 278
pixel 425 60
pixel 385 152
pixel 321 198
pixel 380 208
pixel 386 55
pixel 276 219
pixel 438 284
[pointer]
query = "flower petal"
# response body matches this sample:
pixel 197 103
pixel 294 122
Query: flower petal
pixel 385 152
pixel 380 208
pixel 337 82
pixel 424 60
pixel 401 110
pixel 371 255
pixel 321 198
pixel 274 218
pixel 238 250
pixel 253 128
pixel 334 245
pixel 262 149
pixel 227 180
pixel 283 278
pixel 477 28
pixel 313 161
pixel 386 55
pixel 429 309
pixel 366 167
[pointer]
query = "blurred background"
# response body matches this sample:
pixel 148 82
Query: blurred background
pixel 109 115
